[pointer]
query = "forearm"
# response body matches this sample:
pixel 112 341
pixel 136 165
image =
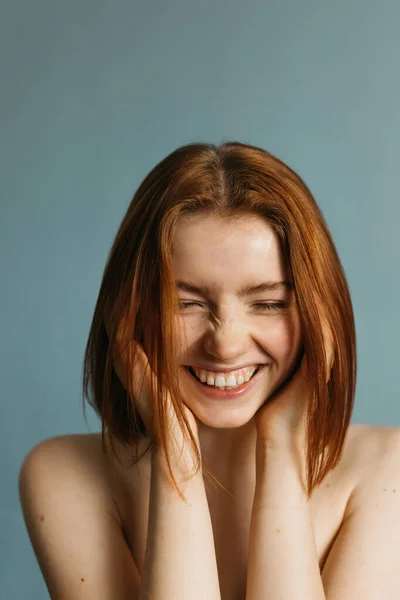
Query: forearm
pixel 180 556
pixel 283 561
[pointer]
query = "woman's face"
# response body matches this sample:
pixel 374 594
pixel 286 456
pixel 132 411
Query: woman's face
pixel 223 330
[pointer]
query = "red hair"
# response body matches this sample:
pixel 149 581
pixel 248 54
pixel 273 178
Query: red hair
pixel 229 180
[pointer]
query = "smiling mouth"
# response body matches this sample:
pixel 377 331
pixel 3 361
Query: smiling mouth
pixel 191 371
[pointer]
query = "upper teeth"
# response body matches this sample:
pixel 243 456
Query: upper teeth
pixel 231 379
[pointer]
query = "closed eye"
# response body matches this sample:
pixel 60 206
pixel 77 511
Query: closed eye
pixel 188 304
pixel 271 306
pixel 264 306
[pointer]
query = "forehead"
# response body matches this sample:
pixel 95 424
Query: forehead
pixel 213 247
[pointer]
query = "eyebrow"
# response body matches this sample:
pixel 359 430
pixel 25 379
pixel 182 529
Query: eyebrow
pixel 266 286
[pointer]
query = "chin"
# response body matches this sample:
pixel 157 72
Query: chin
pixel 222 417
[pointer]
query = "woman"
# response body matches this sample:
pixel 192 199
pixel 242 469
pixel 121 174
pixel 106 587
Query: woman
pixel 222 345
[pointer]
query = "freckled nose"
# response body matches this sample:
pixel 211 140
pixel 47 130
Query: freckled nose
pixel 227 339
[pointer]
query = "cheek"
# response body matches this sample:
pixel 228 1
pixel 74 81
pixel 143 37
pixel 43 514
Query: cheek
pixel 283 337
pixel 186 333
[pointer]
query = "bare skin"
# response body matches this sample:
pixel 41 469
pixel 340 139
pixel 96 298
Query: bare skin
pixel 128 492
pixel 221 330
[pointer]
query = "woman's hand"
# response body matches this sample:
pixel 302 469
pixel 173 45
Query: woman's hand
pixel 281 420
pixel 138 386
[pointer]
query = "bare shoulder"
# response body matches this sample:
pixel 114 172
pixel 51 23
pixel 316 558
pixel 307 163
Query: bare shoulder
pixel 80 458
pixel 364 557
pixel 73 520
pixel 374 444
pixel 376 459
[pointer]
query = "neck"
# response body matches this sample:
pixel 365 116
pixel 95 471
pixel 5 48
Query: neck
pixel 224 449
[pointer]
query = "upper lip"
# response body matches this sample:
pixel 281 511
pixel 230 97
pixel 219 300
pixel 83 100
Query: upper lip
pixel 226 369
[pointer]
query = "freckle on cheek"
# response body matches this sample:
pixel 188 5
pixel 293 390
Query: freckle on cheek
pixel 82 579
pixel 42 517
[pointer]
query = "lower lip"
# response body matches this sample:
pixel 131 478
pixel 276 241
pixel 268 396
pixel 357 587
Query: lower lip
pixel 237 392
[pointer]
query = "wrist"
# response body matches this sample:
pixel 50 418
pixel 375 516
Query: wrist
pixel 280 463
pixel 182 465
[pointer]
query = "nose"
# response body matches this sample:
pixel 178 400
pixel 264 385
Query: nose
pixel 227 340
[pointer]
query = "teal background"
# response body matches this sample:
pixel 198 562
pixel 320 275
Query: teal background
pixel 94 93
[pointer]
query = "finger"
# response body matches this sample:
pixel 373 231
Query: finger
pixel 133 369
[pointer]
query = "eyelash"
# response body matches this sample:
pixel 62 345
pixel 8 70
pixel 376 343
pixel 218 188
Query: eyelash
pixel 267 307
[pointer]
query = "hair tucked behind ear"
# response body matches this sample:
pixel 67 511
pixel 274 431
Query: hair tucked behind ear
pixel 230 180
